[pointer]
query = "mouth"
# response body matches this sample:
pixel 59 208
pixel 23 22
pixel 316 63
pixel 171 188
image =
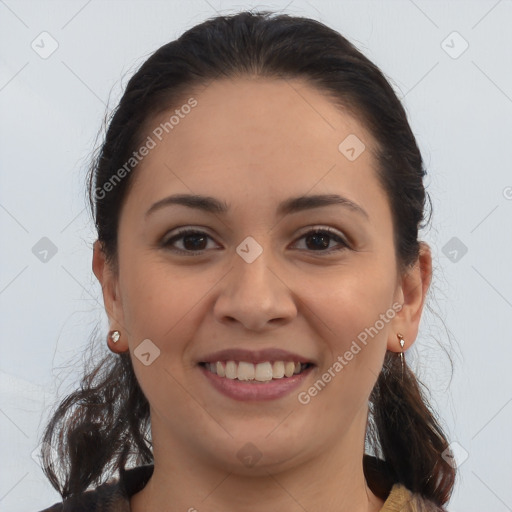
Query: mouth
pixel 252 382
pixel 248 375
pixel 260 372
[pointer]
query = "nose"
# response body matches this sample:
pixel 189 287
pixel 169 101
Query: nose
pixel 255 295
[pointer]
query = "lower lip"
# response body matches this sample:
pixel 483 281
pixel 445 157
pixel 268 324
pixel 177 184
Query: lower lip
pixel 255 390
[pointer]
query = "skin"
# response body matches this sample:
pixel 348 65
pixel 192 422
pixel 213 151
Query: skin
pixel 253 143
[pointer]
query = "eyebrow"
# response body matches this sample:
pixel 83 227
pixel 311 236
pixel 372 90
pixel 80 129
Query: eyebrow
pixel 291 205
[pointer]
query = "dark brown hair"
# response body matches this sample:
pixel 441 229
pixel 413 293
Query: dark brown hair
pixel 97 429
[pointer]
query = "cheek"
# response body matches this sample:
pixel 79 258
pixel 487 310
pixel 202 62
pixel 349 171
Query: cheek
pixel 350 300
pixel 161 304
pixel 354 315
pixel 159 300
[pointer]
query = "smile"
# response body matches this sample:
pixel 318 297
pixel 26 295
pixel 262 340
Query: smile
pixel 247 382
pixel 261 372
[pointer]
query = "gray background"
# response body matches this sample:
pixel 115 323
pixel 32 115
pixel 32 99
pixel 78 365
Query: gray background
pixel 460 103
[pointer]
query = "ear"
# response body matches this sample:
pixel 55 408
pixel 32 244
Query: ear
pixel 411 292
pixel 108 279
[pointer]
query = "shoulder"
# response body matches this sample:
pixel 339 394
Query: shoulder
pixel 401 499
pixel 397 497
pixel 106 497
pixel 112 496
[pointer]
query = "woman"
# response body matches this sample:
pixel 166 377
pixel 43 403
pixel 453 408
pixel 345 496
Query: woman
pixel 257 199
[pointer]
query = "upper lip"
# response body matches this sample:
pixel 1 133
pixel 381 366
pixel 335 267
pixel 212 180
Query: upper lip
pixel 254 356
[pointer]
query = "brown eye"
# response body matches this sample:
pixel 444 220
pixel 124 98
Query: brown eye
pixel 191 240
pixel 319 239
pixel 316 240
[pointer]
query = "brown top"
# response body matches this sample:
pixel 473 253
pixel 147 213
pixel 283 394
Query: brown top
pixel 114 496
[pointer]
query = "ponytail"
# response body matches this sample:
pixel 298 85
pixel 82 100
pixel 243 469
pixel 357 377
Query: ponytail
pixel 96 429
pixel 409 437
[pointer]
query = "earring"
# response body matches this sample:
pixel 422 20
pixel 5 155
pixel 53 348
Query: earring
pixel 402 343
pixel 114 336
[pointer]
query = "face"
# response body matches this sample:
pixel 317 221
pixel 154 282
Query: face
pixel 264 274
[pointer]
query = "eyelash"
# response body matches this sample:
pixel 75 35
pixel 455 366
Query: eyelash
pixel 316 231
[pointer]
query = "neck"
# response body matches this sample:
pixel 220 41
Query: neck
pixel 332 481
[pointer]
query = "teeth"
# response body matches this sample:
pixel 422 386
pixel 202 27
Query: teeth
pixel 289 368
pixel 278 370
pixel 231 370
pixel 221 372
pixel 246 371
pixel 261 372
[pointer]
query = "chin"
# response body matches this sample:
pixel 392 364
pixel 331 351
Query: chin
pixel 257 455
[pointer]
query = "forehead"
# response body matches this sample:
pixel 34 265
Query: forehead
pixel 256 118
pixel 268 137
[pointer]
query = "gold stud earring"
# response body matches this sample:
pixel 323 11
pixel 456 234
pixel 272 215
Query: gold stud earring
pixel 114 336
